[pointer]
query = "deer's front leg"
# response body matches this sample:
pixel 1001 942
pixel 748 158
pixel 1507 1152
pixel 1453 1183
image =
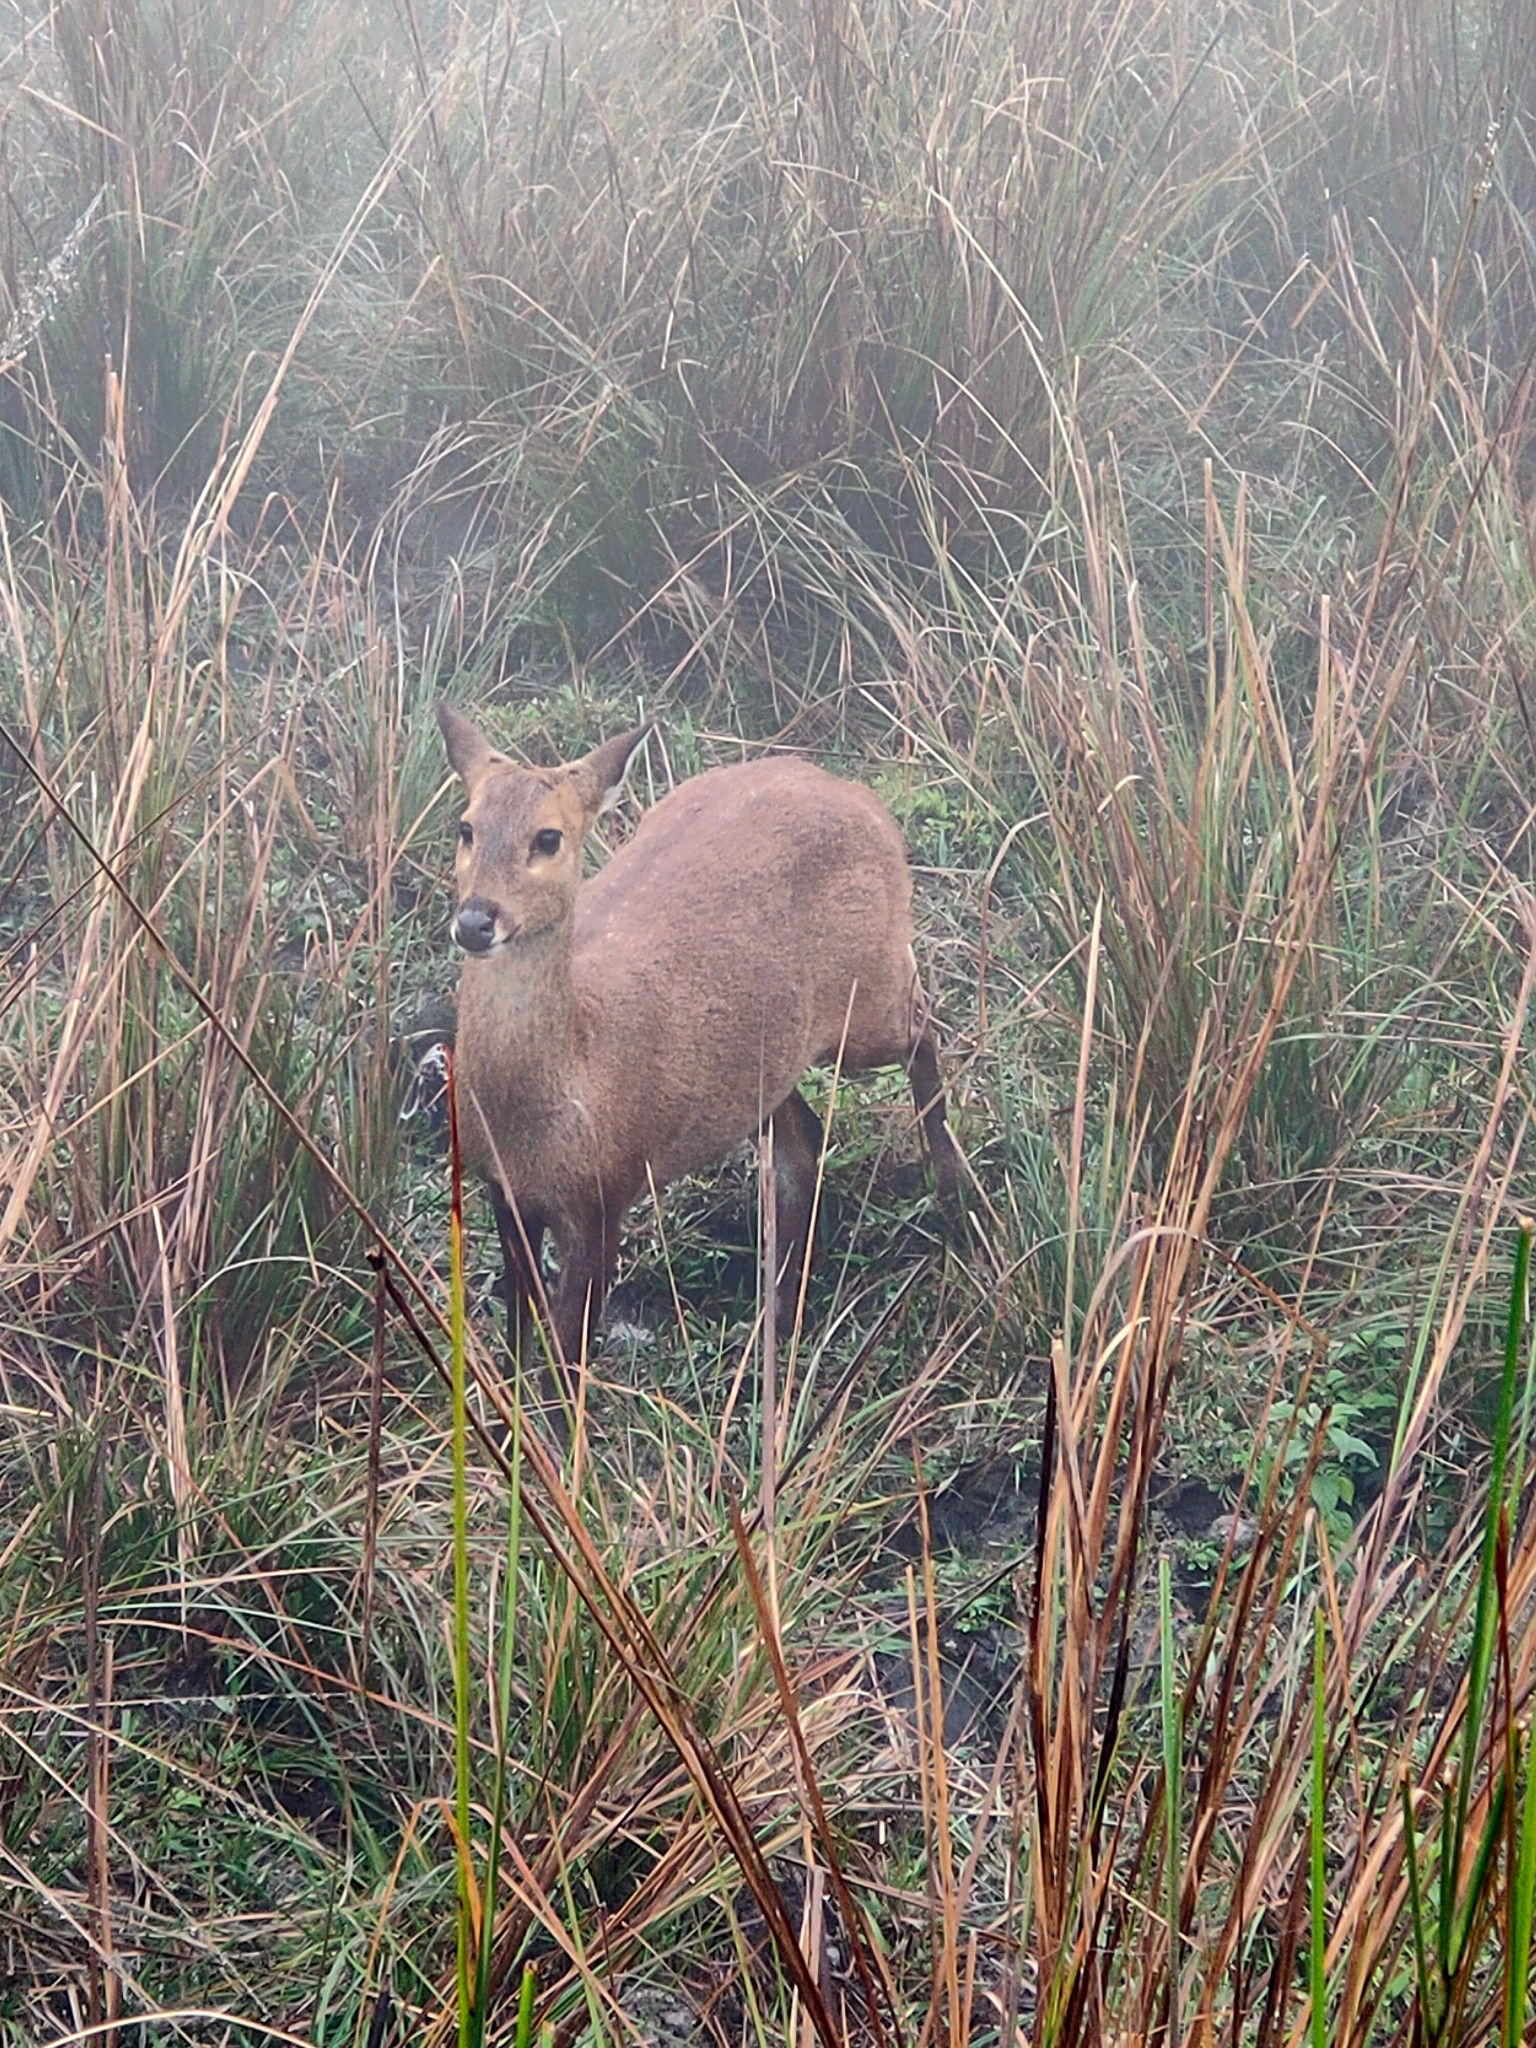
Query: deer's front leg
pixel 522 1285
pixel 589 1252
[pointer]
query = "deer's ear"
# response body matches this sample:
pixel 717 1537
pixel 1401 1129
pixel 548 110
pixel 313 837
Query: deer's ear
pixel 599 776
pixel 470 753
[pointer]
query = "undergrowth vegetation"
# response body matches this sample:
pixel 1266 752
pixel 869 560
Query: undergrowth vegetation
pixel 1106 430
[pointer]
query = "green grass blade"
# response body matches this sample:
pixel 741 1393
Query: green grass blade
pixel 505 1673
pixel 1485 1622
pixel 1173 1783
pixel 1422 1961
pixel 469 2004
pixel 1522 1911
pixel 1318 1959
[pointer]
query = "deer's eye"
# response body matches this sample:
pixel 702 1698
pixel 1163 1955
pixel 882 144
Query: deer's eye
pixel 546 842
pixel 466 833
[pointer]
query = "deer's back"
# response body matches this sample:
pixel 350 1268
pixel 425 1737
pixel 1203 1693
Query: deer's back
pixel 758 920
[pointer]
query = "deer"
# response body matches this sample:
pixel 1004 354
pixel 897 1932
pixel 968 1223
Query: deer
pixel 617 1033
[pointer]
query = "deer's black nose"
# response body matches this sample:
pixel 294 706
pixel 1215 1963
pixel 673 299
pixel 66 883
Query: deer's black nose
pixel 475 926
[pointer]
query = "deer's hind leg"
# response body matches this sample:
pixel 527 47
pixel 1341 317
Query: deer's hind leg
pixel 897 1031
pixel 928 1095
pixel 796 1130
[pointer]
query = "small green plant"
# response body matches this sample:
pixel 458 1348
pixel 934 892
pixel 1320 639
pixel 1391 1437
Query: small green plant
pixel 1337 1434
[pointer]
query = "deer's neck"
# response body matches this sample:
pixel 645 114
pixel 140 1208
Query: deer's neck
pixel 521 1051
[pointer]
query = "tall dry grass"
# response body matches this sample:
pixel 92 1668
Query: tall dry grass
pixel 1106 430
